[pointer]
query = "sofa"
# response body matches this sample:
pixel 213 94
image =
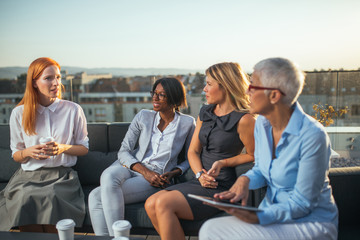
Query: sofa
pixel 105 140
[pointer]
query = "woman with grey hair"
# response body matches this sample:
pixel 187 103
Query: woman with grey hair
pixel 292 152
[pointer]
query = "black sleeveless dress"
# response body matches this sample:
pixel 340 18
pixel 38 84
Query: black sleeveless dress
pixel 220 140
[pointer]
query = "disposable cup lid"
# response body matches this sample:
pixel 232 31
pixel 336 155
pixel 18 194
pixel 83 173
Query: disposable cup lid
pixel 46 139
pixel 65 224
pixel 121 225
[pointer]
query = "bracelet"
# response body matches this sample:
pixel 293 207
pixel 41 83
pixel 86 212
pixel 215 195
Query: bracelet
pixel 21 154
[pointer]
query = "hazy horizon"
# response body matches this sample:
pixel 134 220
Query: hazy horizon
pixel 180 34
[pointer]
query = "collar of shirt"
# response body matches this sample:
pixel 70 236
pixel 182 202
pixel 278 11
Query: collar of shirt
pixel 158 118
pixel 295 123
pixel 51 107
pixel 296 120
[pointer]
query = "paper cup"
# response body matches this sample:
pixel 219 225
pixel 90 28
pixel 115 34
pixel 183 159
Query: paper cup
pixel 44 140
pixel 65 229
pixel 120 238
pixel 121 228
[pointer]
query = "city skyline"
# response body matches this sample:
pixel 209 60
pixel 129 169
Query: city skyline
pixel 180 34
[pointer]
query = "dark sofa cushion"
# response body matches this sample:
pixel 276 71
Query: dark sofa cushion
pixel 8 165
pixel 344 183
pixel 116 132
pixel 5 136
pixel 90 166
pixel 98 136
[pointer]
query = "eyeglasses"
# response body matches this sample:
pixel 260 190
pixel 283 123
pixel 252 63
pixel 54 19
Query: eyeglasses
pixel 264 88
pixel 158 95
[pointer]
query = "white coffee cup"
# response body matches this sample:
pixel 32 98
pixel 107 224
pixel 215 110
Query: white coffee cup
pixel 120 238
pixel 65 229
pixel 121 228
pixel 44 140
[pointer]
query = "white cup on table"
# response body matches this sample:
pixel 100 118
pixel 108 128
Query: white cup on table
pixel 121 228
pixel 65 229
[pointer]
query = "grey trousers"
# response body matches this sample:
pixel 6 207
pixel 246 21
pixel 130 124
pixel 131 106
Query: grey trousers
pixel 118 186
pixel 233 228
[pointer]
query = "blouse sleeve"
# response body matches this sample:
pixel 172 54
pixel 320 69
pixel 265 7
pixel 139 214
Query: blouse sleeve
pixel 80 129
pixel 16 136
pixel 125 154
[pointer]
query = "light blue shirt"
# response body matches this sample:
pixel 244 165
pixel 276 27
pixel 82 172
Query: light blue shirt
pixel 297 180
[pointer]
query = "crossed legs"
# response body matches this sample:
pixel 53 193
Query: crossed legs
pixel 118 186
pixel 164 209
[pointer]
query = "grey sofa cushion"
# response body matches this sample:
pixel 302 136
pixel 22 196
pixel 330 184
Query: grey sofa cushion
pixel 90 166
pixel 98 136
pixel 346 194
pixel 116 132
pixel 5 136
pixel 8 165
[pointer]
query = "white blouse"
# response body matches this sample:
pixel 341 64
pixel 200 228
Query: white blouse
pixel 63 120
pixel 159 149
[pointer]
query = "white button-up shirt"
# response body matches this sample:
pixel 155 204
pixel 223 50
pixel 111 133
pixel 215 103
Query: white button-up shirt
pixel 63 120
pixel 158 151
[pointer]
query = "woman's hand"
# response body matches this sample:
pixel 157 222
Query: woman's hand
pixel 36 152
pixel 153 178
pixel 53 148
pixel 238 191
pixel 166 177
pixel 207 181
pixel 244 215
pixel 216 167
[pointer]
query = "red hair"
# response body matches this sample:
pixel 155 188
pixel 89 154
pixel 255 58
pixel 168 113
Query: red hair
pixel 31 95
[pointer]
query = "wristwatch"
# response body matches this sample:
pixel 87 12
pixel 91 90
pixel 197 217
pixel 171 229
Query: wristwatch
pixel 198 174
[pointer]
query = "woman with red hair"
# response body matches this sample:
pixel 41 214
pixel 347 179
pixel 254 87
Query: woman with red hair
pixel 44 189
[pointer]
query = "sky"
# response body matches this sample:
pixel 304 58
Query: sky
pixel 191 34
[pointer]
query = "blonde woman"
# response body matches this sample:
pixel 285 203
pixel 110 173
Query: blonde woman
pixel 223 129
pixel 45 189
pixel 291 159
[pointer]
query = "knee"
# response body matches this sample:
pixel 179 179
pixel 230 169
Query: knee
pixel 106 177
pixel 164 203
pixel 113 175
pixel 150 204
pixel 94 198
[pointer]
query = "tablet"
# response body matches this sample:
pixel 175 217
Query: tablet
pixel 223 203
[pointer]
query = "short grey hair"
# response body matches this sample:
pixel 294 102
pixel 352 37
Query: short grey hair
pixel 283 74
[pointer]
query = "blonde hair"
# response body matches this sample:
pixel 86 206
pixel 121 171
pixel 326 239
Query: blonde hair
pixel 31 95
pixel 234 81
